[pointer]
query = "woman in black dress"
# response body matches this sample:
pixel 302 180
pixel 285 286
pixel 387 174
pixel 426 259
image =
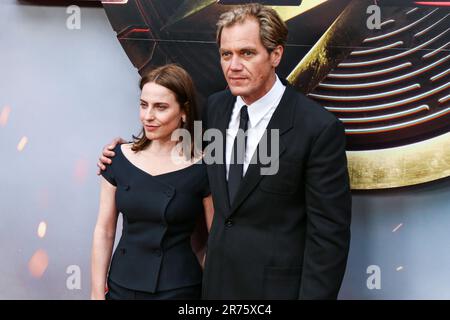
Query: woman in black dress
pixel 164 199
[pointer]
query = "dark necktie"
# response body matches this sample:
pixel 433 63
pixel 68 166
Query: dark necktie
pixel 236 169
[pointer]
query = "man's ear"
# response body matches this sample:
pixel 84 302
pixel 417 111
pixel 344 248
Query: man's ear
pixel 276 55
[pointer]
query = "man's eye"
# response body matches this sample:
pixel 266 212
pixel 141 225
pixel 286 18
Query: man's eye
pixel 248 53
pixel 143 106
pixel 225 54
pixel 161 107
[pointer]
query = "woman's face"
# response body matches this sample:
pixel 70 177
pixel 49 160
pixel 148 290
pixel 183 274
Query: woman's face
pixel 160 112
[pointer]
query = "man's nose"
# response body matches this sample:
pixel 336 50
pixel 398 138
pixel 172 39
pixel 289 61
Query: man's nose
pixel 236 63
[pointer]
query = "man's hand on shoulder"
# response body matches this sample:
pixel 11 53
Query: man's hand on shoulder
pixel 107 154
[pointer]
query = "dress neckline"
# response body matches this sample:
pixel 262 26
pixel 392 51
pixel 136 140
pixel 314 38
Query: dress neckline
pixel 157 175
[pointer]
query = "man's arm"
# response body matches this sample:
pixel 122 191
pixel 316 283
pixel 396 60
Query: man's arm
pixel 328 201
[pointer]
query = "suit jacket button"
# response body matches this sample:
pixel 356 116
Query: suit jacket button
pixel 229 223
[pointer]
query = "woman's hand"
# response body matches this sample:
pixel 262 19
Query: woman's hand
pixel 96 295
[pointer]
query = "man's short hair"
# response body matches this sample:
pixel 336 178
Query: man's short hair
pixel 273 30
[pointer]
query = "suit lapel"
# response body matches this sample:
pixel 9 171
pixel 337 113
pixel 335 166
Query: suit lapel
pixel 282 120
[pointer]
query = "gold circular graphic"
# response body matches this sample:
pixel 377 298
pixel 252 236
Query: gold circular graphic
pixel 412 164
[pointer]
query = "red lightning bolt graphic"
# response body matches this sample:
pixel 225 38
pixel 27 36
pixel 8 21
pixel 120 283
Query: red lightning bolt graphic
pixel 434 3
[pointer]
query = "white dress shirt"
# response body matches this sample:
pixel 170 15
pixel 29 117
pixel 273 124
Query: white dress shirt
pixel 259 112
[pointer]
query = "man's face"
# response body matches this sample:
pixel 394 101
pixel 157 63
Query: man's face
pixel 247 65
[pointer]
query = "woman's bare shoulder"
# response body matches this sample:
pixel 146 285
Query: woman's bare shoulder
pixel 126 147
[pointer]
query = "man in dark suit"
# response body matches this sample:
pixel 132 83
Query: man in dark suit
pixel 285 235
pixel 274 236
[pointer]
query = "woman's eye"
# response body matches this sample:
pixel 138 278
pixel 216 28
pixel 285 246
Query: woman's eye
pixel 161 107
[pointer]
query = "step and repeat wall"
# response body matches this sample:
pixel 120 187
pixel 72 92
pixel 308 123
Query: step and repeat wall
pixel 69 85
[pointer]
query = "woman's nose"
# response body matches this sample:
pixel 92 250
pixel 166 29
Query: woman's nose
pixel 150 114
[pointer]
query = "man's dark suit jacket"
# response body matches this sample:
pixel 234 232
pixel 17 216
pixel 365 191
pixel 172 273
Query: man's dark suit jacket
pixel 286 236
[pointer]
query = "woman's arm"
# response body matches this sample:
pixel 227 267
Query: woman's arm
pixel 200 235
pixel 209 211
pixel 103 240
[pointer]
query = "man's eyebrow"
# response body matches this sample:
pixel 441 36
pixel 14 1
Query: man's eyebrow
pixel 240 50
pixel 143 101
pixel 248 49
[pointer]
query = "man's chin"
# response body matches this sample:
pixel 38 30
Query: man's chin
pixel 237 91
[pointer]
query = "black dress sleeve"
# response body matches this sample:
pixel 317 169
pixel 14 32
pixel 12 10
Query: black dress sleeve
pixel 108 173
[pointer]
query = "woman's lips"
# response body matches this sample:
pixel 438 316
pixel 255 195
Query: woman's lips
pixel 151 128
